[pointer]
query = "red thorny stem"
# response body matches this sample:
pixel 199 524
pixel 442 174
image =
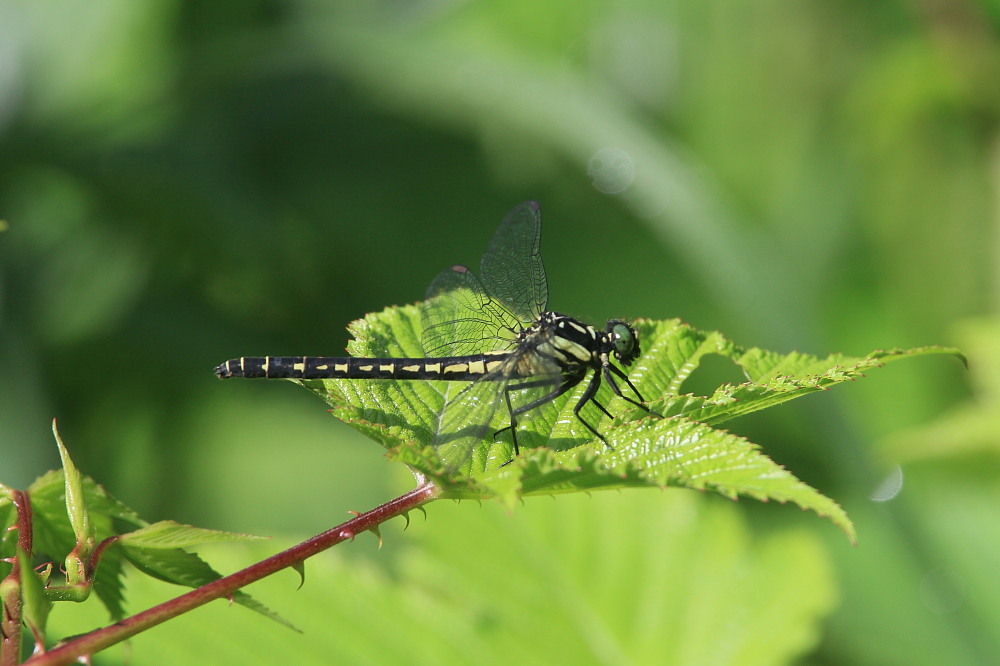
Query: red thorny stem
pixel 100 639
pixel 11 586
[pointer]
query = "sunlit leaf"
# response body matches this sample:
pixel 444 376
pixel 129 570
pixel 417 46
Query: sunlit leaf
pixel 676 443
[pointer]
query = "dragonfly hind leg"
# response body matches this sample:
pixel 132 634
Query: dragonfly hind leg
pixel 515 412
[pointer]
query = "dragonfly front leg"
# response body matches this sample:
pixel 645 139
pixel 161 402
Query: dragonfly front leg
pixel 608 370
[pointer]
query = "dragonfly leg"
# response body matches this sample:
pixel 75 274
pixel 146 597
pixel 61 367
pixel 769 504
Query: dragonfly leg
pixel 567 384
pixel 608 370
pixel 588 396
pixel 602 408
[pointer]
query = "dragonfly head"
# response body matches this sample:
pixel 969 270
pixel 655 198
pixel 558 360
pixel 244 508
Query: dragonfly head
pixel 624 341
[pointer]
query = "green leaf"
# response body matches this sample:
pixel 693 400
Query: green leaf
pixel 179 567
pixel 109 582
pixel 170 534
pixel 625 578
pixel 675 445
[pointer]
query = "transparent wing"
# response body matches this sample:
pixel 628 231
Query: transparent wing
pixel 459 317
pixel 463 316
pixel 512 268
pixel 475 412
pixel 470 417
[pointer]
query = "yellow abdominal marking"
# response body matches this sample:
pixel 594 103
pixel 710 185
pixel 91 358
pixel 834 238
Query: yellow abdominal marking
pixel 386 368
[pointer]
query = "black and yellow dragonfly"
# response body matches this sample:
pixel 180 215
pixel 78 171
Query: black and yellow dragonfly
pixel 496 333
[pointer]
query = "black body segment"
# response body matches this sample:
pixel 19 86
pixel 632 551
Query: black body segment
pixel 455 368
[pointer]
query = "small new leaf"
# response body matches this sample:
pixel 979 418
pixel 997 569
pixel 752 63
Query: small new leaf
pixel 76 504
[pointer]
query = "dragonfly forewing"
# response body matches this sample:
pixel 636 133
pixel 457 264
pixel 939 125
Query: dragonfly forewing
pixel 512 267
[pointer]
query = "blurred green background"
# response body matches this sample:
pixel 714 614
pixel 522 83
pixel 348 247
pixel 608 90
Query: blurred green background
pixel 184 182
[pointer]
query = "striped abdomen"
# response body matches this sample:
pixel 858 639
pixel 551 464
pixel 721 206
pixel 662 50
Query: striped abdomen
pixel 454 368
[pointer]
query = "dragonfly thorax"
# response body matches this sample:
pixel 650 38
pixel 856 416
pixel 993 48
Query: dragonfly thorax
pixel 560 343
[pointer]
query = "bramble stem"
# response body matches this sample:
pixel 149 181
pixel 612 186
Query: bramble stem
pixel 100 639
pixel 11 606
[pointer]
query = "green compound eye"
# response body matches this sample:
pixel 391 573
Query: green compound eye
pixel 625 341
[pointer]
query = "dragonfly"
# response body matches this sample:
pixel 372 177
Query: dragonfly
pixel 495 332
